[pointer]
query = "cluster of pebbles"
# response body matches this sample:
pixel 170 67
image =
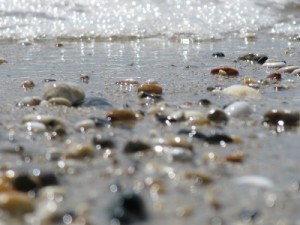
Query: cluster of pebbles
pixel 35 195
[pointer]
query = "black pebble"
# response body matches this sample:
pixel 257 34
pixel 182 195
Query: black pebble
pixel 204 102
pixel 24 183
pixel 136 146
pixel 218 54
pixel 218 138
pixel 128 208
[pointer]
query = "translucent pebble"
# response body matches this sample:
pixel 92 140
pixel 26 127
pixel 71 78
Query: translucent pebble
pixel 239 109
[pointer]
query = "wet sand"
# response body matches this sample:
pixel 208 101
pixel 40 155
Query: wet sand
pixel 183 70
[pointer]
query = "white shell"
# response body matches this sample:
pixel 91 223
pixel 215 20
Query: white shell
pixel 240 91
pixel 35 127
pixel 239 109
pixel 255 180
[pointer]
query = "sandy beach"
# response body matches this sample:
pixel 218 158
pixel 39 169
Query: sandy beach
pixel 254 180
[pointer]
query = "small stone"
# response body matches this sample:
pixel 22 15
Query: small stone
pixel 276 117
pixel 127 82
pixel 218 139
pixel 239 109
pixel 249 81
pixel 217 116
pixel 136 146
pixel 204 102
pixel 237 157
pixel 36 127
pixel 288 69
pixel 150 90
pixel 103 142
pixel 179 142
pixel 2 61
pixel 30 101
pixel 59 44
pixel 16 202
pixel 274 76
pixel 274 63
pixel 241 91
pixel 85 78
pixel 218 54
pixel 203 178
pixel 59 101
pixel 257 58
pixel 70 91
pixel 225 71
pixel 81 151
pixel 121 115
pixel 27 84
pixel 84 125
pixel 178 153
pixel 128 208
pixel 99 103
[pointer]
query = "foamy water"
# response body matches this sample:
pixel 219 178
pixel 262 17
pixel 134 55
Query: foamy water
pixel 198 19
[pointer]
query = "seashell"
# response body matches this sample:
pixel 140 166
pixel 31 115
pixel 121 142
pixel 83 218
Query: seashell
pixel 254 180
pixel 2 61
pixel 27 84
pixel 288 69
pixel 281 117
pixel 296 72
pixel 226 71
pixel 257 58
pixel 217 116
pixel 127 82
pixel 80 151
pixel 30 101
pixel 69 91
pixel 99 103
pixel 128 208
pixel 218 54
pixel 121 115
pixel 16 202
pixel 59 101
pixel 150 90
pixel 274 63
pixel 274 76
pixel 203 178
pixel 240 109
pixel 136 146
pixel 240 91
pixel 36 127
pixel 84 125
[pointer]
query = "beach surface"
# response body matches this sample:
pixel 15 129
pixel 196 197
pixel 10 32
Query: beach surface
pixel 214 186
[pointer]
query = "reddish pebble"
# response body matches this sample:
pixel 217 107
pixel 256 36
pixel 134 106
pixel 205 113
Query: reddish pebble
pixel 226 71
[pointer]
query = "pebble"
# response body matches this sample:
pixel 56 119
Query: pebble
pixel 27 84
pixel 36 127
pixel 239 109
pixel 81 151
pixel 30 101
pixel 136 146
pixel 70 91
pixel 218 54
pixel 84 125
pixel 296 72
pixel 217 116
pixel 150 90
pixel 179 142
pixel 255 180
pixel 276 117
pixel 288 69
pixel 16 202
pixel 121 115
pixel 59 101
pixel 275 76
pixel 203 178
pixel 2 61
pixel 218 139
pixel 204 102
pixel 99 103
pixel 85 78
pixel 225 71
pixel 103 142
pixel 128 208
pixel 237 157
pixel 274 63
pixel 241 91
pixel 257 58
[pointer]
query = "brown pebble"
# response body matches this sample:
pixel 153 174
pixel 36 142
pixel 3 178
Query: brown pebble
pixel 80 151
pixel 281 117
pixel 27 84
pixel 274 76
pixel 85 78
pixel 180 142
pixel 16 202
pixel 2 61
pixel 226 71
pixel 59 45
pixel 150 88
pixel 121 115
pixel 237 157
